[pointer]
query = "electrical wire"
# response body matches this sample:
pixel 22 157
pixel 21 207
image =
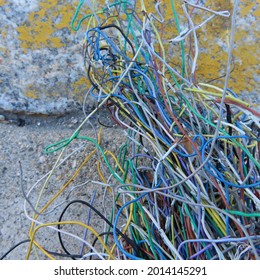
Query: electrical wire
pixel 185 182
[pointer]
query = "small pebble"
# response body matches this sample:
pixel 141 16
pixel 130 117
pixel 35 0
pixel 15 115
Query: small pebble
pixel 74 121
pixel 42 159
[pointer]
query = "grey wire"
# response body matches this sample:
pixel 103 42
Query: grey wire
pixel 176 197
pixel 220 109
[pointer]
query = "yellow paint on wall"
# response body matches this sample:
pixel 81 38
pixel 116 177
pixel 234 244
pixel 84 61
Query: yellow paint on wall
pixel 38 36
pixel 3 33
pixel 79 86
pixel 256 13
pixel 247 8
pixel 81 81
pixel 39 30
pixel 31 94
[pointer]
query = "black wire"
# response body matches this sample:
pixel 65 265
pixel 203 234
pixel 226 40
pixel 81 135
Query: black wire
pixel 64 255
pixel 96 239
pixel 130 241
pixel 121 31
pixel 15 246
pixel 229 118
pixel 104 125
pixel 50 252
pixel 101 234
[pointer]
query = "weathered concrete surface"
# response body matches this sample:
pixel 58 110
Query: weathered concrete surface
pixel 41 61
pixel 41 65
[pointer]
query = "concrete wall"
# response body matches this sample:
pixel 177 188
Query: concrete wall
pixel 41 65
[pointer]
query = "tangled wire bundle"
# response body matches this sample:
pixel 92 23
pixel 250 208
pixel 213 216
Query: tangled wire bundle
pixel 185 184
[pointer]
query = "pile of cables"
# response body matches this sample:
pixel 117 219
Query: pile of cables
pixel 185 183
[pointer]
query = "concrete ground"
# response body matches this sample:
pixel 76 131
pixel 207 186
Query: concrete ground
pixel 23 139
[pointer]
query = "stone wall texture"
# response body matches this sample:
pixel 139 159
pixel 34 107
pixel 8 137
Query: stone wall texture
pixel 41 62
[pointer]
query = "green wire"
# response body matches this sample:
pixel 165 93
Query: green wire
pixel 249 215
pixel 221 130
pixel 139 216
pixel 179 31
pixel 63 143
pixel 183 230
pixel 90 15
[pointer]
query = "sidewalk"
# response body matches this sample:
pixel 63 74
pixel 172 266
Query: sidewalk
pixel 26 144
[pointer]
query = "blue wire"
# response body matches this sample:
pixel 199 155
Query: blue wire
pixel 111 43
pixel 132 257
pixel 219 177
pixel 115 227
pixel 222 240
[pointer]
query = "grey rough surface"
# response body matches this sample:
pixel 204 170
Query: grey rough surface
pixel 41 58
pixel 26 144
pixel 39 78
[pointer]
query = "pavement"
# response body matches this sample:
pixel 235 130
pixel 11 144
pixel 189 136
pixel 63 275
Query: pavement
pixel 23 139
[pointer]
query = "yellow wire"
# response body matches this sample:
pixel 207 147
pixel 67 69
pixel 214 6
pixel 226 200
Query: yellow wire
pixel 202 92
pixel 66 184
pixel 67 223
pixel 131 206
pixel 182 111
pixel 216 218
pixel 100 173
pixel 238 115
